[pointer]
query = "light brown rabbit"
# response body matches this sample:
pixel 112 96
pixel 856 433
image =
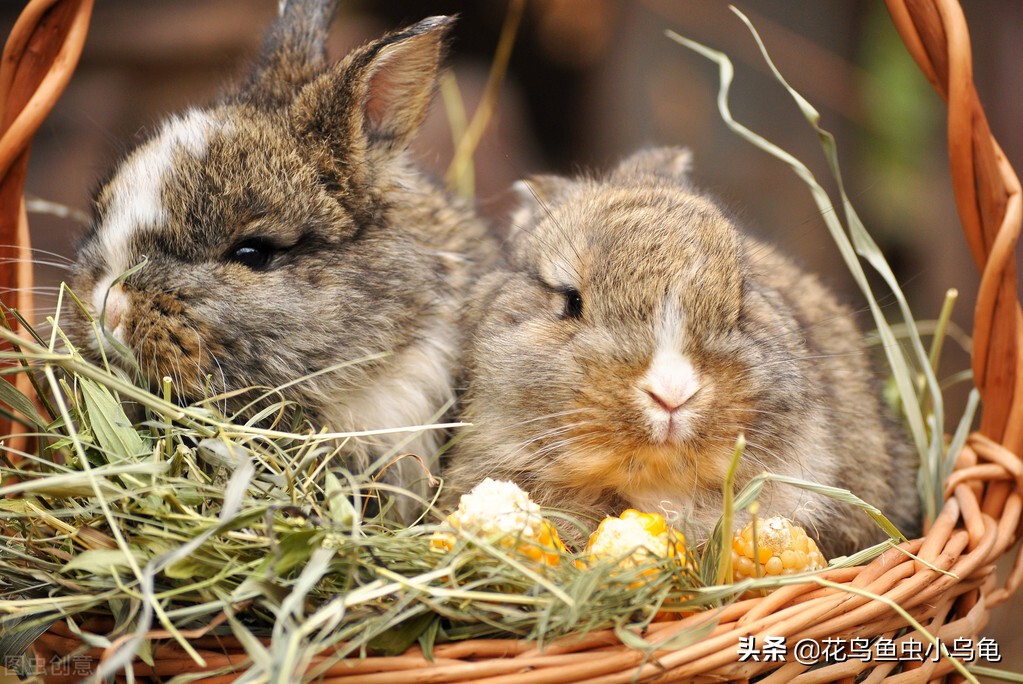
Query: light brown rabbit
pixel 286 233
pixel 636 332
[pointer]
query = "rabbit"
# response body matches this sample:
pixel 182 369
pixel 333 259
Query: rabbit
pixel 284 232
pixel 635 332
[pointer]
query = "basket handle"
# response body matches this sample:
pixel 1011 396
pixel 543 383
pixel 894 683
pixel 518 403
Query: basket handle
pixel 38 59
pixel 989 203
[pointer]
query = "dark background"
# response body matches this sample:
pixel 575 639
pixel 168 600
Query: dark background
pixel 590 81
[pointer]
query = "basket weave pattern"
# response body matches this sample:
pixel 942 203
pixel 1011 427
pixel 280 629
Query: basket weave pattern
pixel 979 522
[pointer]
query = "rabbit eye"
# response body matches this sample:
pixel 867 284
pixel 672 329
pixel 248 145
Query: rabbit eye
pixel 573 304
pixel 254 254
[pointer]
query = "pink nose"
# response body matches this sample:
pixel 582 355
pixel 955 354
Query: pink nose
pixel 670 381
pixel 670 399
pixel 115 306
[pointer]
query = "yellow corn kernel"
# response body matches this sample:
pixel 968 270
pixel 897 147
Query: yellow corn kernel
pixel 783 548
pixel 500 513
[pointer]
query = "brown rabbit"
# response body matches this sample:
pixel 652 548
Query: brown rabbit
pixel 636 333
pixel 286 233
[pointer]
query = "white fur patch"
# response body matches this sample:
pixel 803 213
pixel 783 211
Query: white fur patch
pixel 670 380
pixel 417 385
pixel 668 328
pixel 136 201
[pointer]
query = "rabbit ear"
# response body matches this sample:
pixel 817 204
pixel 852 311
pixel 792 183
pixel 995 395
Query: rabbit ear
pixel 538 193
pixel 401 81
pixel 378 95
pixel 294 51
pixel 535 196
pixel 667 162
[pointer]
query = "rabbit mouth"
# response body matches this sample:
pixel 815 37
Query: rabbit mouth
pixel 637 469
pixel 670 422
pixel 149 338
pixel 670 427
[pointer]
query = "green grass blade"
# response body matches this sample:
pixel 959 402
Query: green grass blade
pixel 113 431
pixel 851 245
pixel 12 396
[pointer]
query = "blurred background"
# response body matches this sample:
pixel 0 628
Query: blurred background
pixel 589 82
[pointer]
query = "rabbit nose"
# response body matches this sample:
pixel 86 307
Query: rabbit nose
pixel 670 381
pixel 669 403
pixel 116 303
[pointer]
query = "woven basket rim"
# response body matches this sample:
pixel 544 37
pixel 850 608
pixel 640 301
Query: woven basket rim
pixel 945 580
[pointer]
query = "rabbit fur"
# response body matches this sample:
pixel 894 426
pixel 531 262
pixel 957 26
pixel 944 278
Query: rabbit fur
pixel 285 232
pixel 635 332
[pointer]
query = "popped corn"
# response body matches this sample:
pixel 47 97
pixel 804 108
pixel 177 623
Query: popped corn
pixel 502 513
pixel 645 535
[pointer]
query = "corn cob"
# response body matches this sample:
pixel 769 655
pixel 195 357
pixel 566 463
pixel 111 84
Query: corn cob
pixel 500 513
pixel 782 548
pixel 634 537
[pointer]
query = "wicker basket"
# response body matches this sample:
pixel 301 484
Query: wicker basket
pixel 979 523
